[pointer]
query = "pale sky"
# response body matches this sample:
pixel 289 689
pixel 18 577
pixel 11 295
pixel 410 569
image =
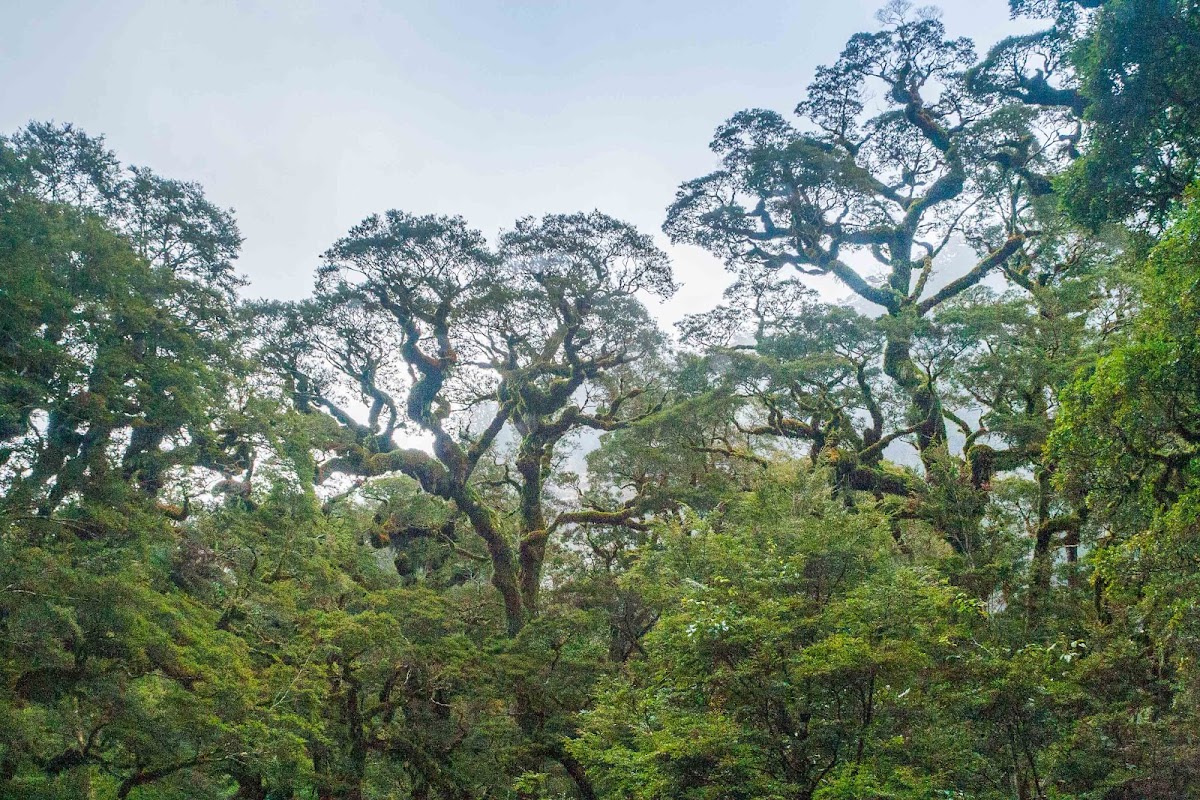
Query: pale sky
pixel 306 116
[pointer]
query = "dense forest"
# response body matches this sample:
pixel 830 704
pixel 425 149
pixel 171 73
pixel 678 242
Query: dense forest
pixel 467 523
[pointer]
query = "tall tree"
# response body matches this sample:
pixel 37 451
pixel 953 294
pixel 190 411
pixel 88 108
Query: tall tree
pixel 496 357
pixel 119 287
pixel 878 201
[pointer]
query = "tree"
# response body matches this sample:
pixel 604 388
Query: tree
pixel 877 202
pixel 495 359
pixel 1119 74
pixel 116 333
pixel 537 341
pixel 805 371
pixel 111 386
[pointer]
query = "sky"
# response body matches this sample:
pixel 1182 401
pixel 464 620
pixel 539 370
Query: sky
pixel 306 116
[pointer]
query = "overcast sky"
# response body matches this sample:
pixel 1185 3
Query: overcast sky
pixel 307 115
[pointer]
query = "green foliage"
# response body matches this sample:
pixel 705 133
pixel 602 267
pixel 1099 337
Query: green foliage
pixel 1125 69
pixel 1126 439
pixel 789 647
pixel 939 545
pixel 1137 68
pixel 111 372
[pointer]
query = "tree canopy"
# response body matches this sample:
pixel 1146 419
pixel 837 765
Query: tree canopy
pixel 467 523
